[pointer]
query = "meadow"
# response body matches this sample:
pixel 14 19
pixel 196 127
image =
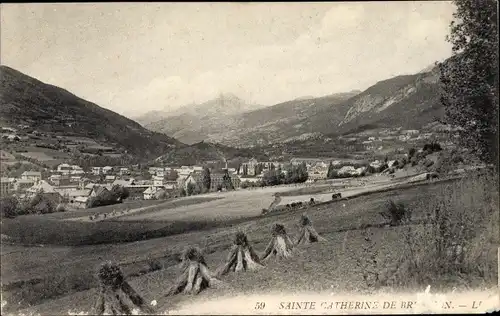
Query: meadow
pixel 60 277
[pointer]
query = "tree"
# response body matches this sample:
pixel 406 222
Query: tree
pixel 190 188
pixel 329 174
pixel 206 180
pixel 270 178
pixel 9 206
pixel 120 192
pixel 226 181
pixel 469 79
pixel 411 152
pixel 302 173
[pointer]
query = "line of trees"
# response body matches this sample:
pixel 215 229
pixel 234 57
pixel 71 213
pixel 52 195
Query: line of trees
pixel 11 206
pixel 293 174
pixel 116 195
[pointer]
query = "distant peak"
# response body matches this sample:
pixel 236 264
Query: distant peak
pixel 228 95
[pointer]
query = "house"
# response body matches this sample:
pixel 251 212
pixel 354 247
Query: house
pixel 46 189
pixel 12 137
pixel 76 170
pixel 390 163
pixel 98 190
pixel 110 179
pixel 197 168
pixel 123 171
pixel 160 173
pixel 23 184
pixel 250 180
pixel 32 175
pixel 371 138
pixel 123 183
pixel 90 186
pixel 80 202
pixel 170 185
pixel 60 180
pixel 69 196
pixel 6 186
pixel 75 178
pixel 83 182
pixel 346 170
pixel 107 170
pixel 248 168
pixel 158 181
pixel 360 171
pixel 153 170
pixel 309 161
pixel 375 164
pixel 194 178
pixel 96 170
pixel 64 168
pixel 152 193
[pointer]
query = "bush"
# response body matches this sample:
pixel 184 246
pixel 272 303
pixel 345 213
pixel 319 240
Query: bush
pixel 458 245
pixel 396 213
pixel 105 198
pixel 9 207
pixel 40 204
pixel 61 208
pixel 154 265
pixel 411 152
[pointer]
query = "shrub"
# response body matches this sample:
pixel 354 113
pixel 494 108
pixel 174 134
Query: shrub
pixel 40 204
pixel 9 207
pixel 458 245
pixel 411 152
pixel 182 192
pixel 396 213
pixel 154 265
pixel 61 208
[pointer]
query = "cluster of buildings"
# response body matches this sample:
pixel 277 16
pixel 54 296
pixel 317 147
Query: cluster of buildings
pixel 72 185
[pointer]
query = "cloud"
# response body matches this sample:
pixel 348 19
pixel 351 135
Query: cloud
pixel 139 57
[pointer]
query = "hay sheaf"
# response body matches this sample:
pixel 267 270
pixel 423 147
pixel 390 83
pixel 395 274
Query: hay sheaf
pixel 195 275
pixel 241 257
pixel 116 296
pixel 307 233
pixel 280 245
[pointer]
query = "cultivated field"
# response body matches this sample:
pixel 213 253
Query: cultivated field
pixel 63 279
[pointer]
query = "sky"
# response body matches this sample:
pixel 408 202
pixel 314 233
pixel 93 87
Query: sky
pixel 136 57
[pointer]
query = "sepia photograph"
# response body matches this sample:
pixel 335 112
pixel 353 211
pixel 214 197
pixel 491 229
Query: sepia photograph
pixel 249 158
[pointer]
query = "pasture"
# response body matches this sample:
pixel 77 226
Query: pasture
pixel 62 276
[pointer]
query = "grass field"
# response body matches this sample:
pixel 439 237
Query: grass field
pixel 64 280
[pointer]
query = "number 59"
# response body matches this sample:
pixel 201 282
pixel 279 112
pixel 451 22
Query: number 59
pixel 260 305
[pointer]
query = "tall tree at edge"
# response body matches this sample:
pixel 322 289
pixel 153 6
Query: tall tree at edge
pixel 469 79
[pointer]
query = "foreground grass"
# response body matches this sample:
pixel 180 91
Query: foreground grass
pixel 314 268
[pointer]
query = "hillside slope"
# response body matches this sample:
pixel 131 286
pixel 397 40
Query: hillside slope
pixel 410 101
pixel 25 100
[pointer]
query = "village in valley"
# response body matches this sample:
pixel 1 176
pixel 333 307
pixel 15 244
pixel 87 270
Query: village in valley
pixel 73 187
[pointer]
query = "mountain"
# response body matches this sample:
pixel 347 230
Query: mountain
pixel 47 108
pixel 191 123
pixel 407 101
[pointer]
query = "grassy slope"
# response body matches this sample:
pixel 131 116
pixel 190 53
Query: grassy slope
pixel 25 100
pixel 307 270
